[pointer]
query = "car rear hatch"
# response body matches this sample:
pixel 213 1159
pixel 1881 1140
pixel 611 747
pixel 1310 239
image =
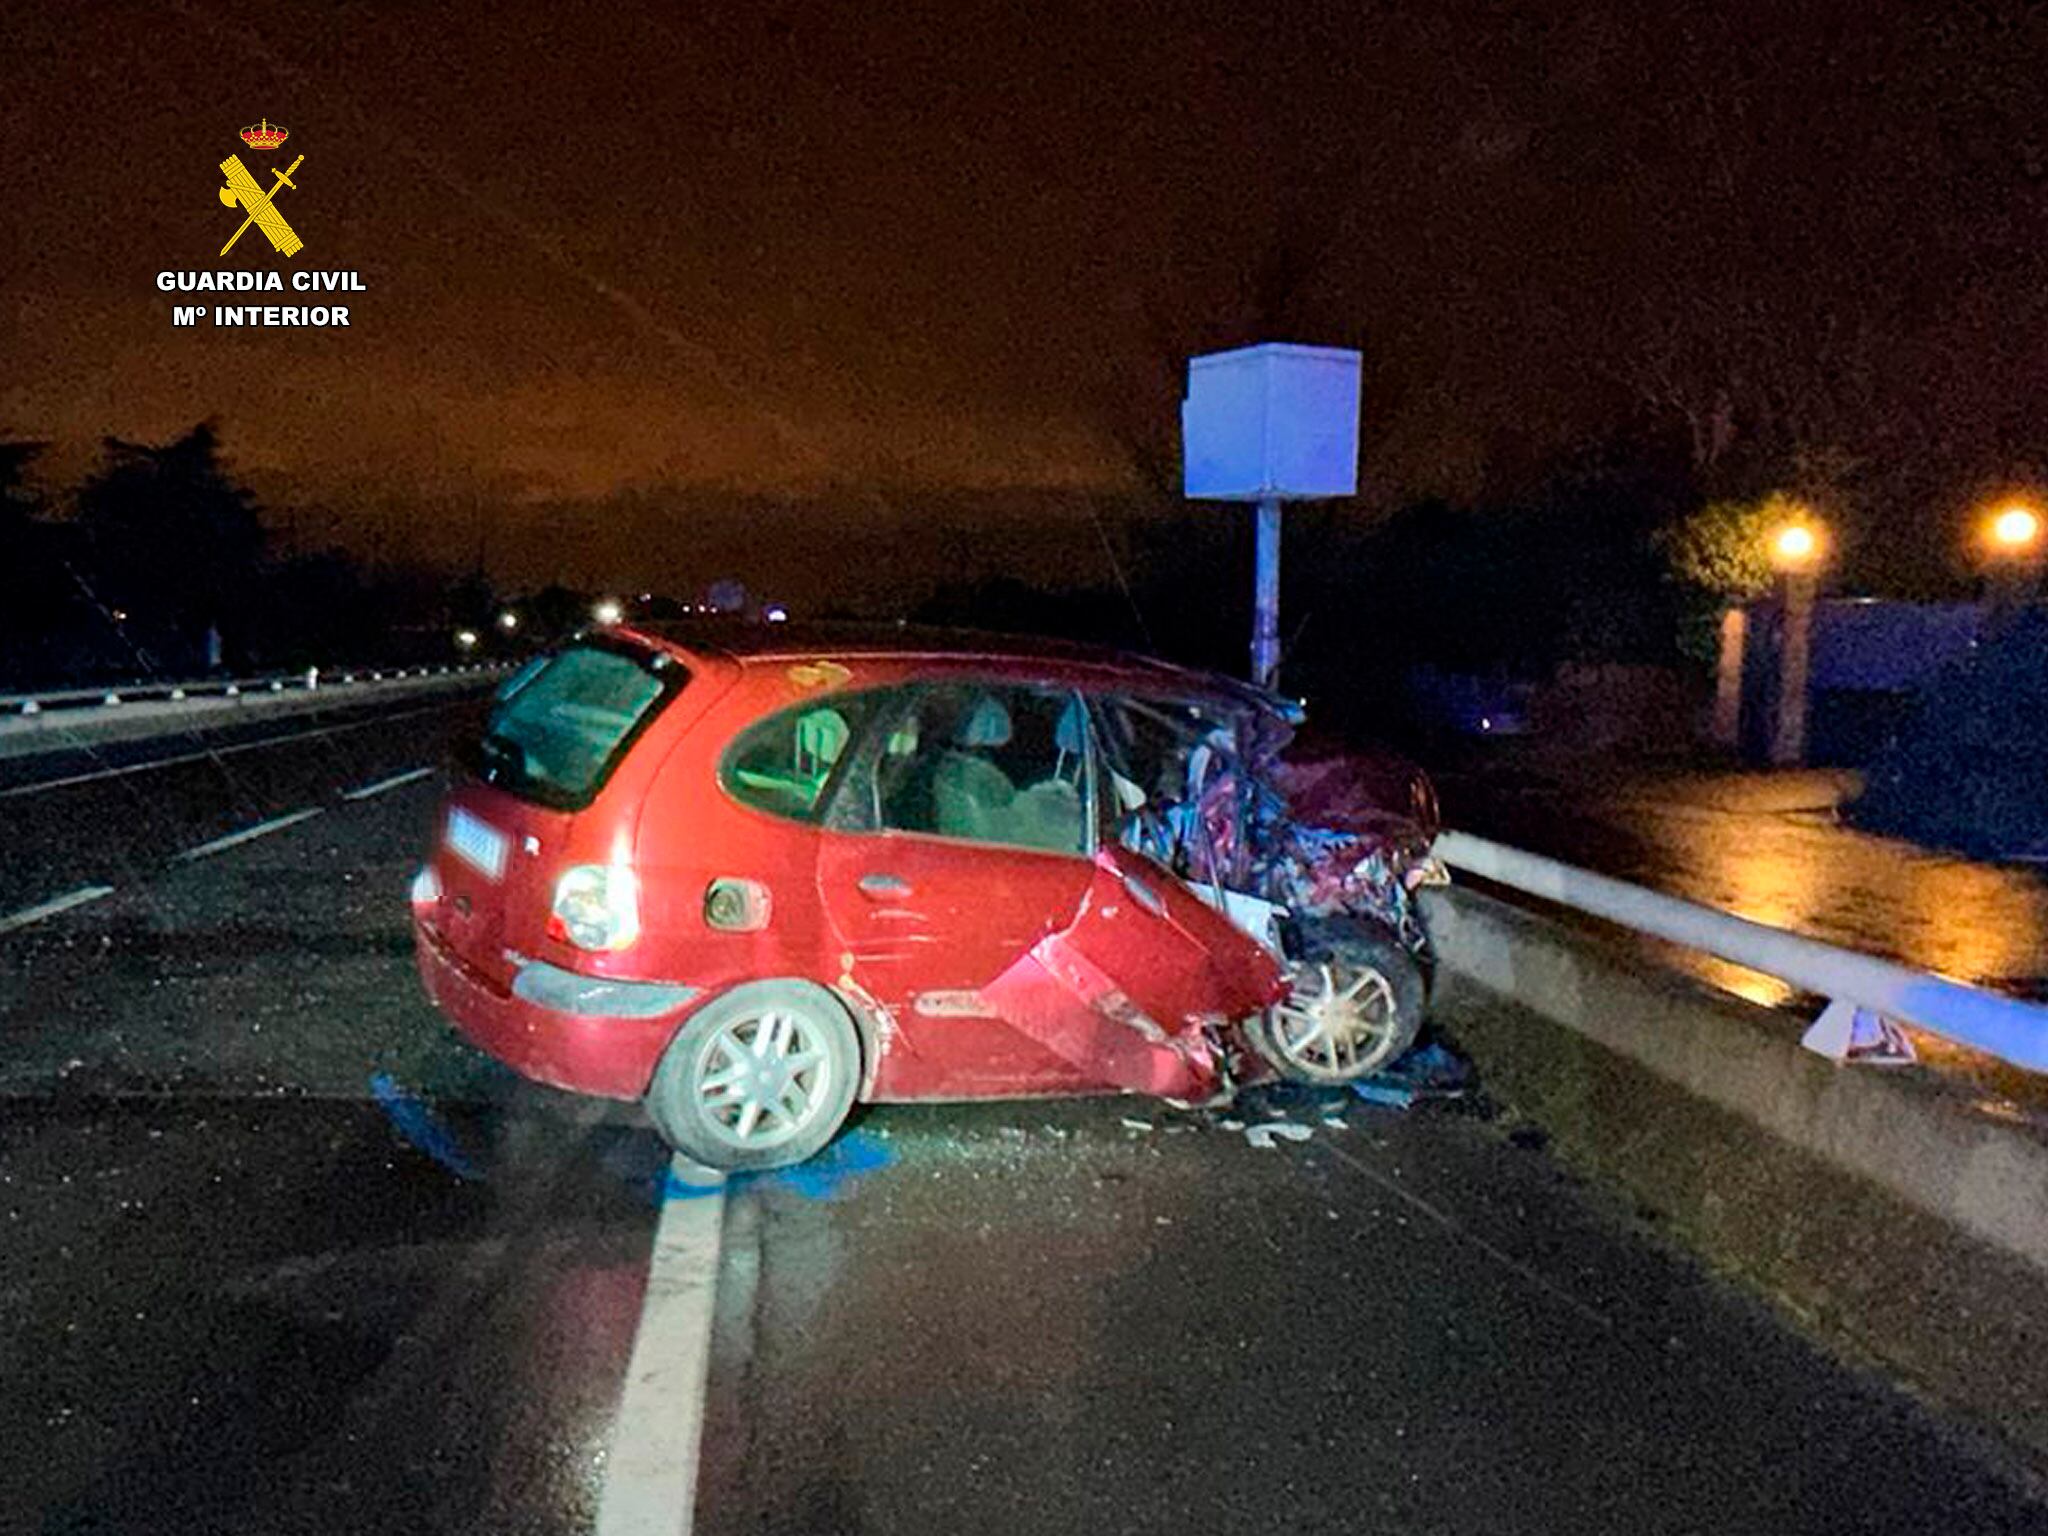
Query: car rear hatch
pixel 533 794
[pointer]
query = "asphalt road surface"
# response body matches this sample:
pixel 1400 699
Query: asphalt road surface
pixel 278 1254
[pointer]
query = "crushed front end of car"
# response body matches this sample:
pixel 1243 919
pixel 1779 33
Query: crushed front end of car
pixel 1318 855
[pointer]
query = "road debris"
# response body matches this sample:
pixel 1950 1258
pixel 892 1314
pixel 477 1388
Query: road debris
pixel 1261 1136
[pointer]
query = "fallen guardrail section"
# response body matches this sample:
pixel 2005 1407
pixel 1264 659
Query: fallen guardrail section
pixel 1903 1213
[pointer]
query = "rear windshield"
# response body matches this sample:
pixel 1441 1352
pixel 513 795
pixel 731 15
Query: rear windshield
pixel 560 725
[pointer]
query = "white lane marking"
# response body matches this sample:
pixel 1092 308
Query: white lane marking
pixel 247 834
pixel 53 906
pixel 226 751
pixel 650 1485
pixel 378 788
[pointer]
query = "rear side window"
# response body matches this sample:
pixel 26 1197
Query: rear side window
pixel 558 729
pixel 782 764
pixel 988 763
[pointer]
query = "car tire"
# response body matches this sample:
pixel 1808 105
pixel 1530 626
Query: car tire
pixel 735 1052
pixel 1355 1006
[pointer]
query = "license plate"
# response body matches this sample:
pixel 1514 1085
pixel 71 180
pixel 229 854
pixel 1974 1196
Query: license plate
pixel 477 843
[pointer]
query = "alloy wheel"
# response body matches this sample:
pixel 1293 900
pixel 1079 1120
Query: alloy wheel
pixel 1338 1022
pixel 763 1078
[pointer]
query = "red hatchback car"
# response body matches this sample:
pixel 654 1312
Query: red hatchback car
pixel 754 879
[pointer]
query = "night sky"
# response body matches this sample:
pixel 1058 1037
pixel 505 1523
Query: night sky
pixel 659 291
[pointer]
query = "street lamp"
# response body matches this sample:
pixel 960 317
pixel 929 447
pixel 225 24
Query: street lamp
pixel 608 611
pixel 2012 536
pixel 2014 530
pixel 1794 547
pixel 466 639
pixel 508 621
pixel 1795 551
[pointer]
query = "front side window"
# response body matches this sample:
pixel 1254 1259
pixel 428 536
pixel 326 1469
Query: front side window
pixel 1166 762
pixel 561 724
pixel 988 763
pixel 1147 744
pixel 783 764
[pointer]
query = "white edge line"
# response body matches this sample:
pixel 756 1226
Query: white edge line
pixel 247 834
pixel 381 785
pixel 209 752
pixel 650 1485
pixel 53 906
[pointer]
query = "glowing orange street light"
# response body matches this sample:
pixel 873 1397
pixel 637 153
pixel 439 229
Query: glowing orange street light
pixel 2015 530
pixel 1794 547
pixel 2012 567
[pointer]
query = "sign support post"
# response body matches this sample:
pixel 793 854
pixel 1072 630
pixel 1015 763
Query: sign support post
pixel 1266 596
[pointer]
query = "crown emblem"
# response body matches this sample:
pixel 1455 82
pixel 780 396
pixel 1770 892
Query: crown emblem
pixel 264 135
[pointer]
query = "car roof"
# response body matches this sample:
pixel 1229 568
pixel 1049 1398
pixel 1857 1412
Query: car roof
pixel 748 644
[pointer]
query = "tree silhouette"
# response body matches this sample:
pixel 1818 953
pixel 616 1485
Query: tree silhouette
pixel 18 502
pixel 33 588
pixel 177 543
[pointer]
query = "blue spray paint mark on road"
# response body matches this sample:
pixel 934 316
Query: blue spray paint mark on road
pixel 419 1125
pixel 666 1186
pixel 826 1176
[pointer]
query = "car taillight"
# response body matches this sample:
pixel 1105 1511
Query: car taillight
pixel 426 887
pixel 596 906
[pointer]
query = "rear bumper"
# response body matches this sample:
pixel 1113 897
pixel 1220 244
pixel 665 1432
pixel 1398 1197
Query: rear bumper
pixel 608 1057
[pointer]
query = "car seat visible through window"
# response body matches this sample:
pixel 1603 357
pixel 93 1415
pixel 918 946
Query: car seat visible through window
pixel 1047 814
pixel 971 794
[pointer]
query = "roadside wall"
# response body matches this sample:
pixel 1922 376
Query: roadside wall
pixel 1880 1205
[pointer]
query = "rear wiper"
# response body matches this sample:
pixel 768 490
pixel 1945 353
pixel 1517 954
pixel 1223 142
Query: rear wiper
pixel 502 749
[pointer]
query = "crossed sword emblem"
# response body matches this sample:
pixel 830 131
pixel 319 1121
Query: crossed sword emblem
pixel 242 191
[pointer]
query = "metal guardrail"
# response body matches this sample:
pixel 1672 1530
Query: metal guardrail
pixel 263 686
pixel 2005 1027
